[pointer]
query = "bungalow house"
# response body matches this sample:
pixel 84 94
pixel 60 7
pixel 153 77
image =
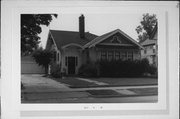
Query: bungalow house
pixel 150 48
pixel 74 48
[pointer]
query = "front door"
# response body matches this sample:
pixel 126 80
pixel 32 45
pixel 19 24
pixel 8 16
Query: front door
pixel 71 65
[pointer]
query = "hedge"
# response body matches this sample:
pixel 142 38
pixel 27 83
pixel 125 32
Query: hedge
pixel 118 68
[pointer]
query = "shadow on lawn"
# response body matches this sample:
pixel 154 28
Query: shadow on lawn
pixel 73 82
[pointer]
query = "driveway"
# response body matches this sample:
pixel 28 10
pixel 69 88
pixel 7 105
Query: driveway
pixel 38 83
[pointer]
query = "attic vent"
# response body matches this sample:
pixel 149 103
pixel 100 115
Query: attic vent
pixel 115 40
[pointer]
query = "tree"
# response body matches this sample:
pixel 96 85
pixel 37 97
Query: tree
pixel 146 26
pixel 30 28
pixel 43 58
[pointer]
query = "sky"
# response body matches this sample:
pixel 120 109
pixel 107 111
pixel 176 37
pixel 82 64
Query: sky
pixel 98 24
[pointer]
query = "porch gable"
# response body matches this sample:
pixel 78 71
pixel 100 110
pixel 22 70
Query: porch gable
pixel 117 40
pixel 116 37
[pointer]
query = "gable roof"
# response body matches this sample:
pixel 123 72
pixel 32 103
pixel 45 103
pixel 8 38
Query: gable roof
pixel 148 42
pixel 62 38
pixel 153 33
pixel 152 38
pixel 105 36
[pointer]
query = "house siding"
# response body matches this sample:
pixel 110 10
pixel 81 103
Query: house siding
pixel 136 54
pixel 93 54
pixel 150 53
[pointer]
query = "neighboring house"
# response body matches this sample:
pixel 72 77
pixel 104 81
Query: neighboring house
pixel 150 48
pixel 72 49
pixel 29 66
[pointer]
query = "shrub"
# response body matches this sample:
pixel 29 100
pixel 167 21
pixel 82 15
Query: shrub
pixel 88 70
pixel 56 70
pixel 42 58
pixel 125 68
pixel 152 70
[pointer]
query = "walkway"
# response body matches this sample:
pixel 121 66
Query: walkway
pixel 91 81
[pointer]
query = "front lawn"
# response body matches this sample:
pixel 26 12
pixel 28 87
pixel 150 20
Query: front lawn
pixel 73 82
pixel 112 93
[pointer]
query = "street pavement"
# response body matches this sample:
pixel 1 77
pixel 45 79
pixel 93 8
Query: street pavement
pixel 40 89
pixel 138 99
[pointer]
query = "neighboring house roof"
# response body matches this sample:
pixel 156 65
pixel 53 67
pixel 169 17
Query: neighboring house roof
pixel 154 32
pixel 63 38
pixel 148 42
pixel 152 39
pixel 105 36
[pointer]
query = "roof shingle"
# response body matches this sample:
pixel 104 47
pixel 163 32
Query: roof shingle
pixel 63 38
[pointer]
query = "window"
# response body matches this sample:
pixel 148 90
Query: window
pixel 110 55
pixel 130 56
pixel 124 55
pixel 54 56
pixel 145 51
pixel 117 55
pixel 66 61
pixel 103 55
pixel 154 48
pixel 76 61
pixel 58 56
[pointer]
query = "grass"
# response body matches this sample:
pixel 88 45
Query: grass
pixel 112 93
pixel 73 82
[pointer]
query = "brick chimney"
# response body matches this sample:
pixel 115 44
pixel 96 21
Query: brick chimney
pixel 81 26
